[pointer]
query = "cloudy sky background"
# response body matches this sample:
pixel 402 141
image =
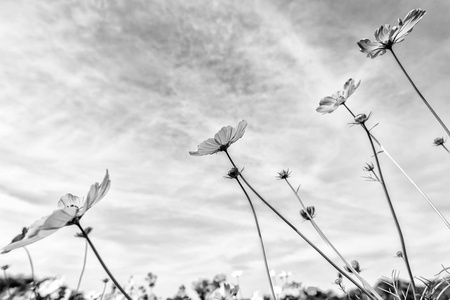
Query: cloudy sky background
pixel 132 86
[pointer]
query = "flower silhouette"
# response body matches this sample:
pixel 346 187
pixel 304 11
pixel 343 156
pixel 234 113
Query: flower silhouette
pixel 331 103
pixel 386 36
pixel 70 209
pixel 222 140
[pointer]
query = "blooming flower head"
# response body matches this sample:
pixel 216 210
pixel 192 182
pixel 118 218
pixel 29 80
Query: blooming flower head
pixel 70 209
pixel 331 103
pixel 222 140
pixel 386 36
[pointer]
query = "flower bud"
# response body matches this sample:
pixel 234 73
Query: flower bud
pixel 355 266
pixel 233 173
pixel 369 167
pixel 284 174
pixel 439 141
pixel 309 213
pixel 361 118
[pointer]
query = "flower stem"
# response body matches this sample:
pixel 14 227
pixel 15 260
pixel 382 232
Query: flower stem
pixel 327 241
pixel 83 268
pixel 391 207
pixel 420 94
pixel 260 238
pixel 33 287
pixel 7 283
pixel 240 289
pixel 101 261
pixel 412 182
pixel 445 148
pixel 374 297
pixel 104 289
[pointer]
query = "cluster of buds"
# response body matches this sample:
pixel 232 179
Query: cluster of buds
pixel 309 213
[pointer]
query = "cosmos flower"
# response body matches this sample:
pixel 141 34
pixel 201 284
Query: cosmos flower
pixel 331 103
pixel 228 292
pixel 386 36
pixel 222 140
pixel 70 209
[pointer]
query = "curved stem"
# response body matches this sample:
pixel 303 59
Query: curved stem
pixel 33 287
pixel 374 297
pixel 104 289
pixel 391 207
pixel 83 268
pixel 420 94
pixel 31 262
pixel 260 238
pixel 76 222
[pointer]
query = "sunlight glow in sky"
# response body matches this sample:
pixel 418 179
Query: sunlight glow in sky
pixel 133 86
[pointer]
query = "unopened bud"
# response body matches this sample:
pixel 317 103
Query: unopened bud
pixel 233 173
pixel 309 213
pixel 361 118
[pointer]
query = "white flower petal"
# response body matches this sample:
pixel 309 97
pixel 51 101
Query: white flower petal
pixel 372 49
pixel 59 218
pixel 239 131
pixel 210 146
pixel 33 234
pixel 327 105
pixel 226 136
pixel 407 25
pixel 95 194
pixel 69 200
pixel 223 137
pixel 350 86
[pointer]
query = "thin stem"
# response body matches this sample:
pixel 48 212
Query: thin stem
pixel 374 297
pixel 240 289
pixel 391 207
pixel 104 289
pixel 31 262
pixel 445 148
pixel 33 287
pixel 260 238
pixel 7 283
pixel 412 182
pixel 101 261
pixel 420 94
pixel 83 268
pixel 327 241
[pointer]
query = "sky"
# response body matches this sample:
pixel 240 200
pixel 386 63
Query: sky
pixel 133 86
